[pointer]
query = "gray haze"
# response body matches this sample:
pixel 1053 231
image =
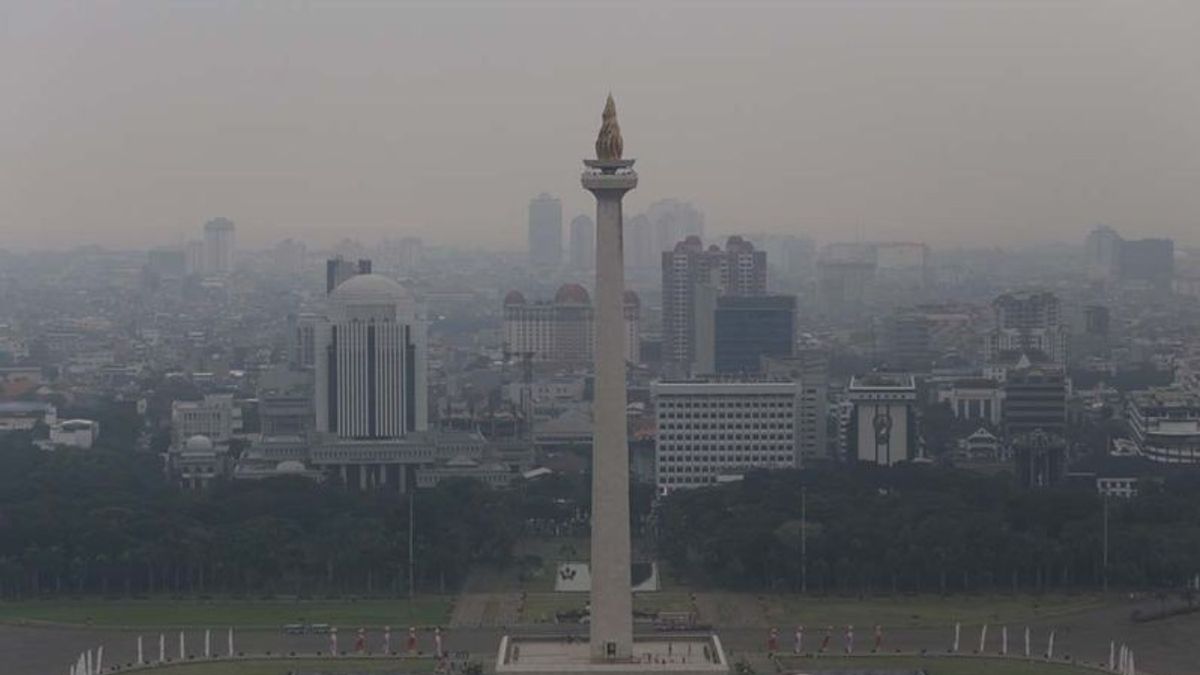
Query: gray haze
pixel 957 122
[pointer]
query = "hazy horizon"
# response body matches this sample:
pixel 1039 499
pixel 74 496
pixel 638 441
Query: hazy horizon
pixel 956 123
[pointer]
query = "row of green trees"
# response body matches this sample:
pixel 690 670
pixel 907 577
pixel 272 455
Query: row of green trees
pixel 107 522
pixel 104 521
pixel 927 528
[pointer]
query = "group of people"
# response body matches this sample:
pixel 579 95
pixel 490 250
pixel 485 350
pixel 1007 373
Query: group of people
pixel 411 646
pixel 826 640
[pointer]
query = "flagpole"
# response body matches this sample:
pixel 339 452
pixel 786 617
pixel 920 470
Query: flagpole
pixel 804 539
pixel 412 528
pixel 1105 566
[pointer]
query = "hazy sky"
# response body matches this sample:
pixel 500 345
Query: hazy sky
pixel 958 121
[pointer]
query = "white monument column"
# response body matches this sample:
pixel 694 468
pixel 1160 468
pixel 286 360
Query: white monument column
pixel 609 177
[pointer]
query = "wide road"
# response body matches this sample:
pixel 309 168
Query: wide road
pixel 1169 647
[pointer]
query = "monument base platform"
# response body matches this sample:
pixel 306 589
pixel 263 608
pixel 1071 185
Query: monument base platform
pixel 683 654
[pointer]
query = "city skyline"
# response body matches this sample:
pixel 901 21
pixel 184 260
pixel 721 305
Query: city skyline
pixel 965 125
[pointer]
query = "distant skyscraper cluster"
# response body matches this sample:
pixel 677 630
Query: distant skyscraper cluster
pixel 211 256
pixel 1113 260
pixel 694 276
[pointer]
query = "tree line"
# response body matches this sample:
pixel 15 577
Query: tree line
pixel 921 528
pixel 107 522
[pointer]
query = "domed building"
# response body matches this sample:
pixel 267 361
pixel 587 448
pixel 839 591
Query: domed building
pixel 196 461
pixel 562 330
pixel 371 358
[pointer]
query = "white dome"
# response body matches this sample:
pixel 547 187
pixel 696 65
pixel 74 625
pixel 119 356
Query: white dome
pixel 198 443
pixel 290 466
pixel 368 289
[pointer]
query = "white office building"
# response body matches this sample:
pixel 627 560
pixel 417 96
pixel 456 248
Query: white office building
pixel 708 430
pixel 882 420
pixel 371 362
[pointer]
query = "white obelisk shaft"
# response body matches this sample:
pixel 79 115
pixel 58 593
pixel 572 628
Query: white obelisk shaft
pixel 611 632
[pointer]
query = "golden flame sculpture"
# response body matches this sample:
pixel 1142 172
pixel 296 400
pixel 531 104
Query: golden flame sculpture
pixel 608 143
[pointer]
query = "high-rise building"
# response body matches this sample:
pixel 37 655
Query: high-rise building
pixel 882 424
pixel 1112 259
pixel 672 221
pixel 1148 261
pixel 748 328
pixel 545 231
pixel 808 366
pixel 640 252
pixel 302 340
pixel 633 327
pixel 739 269
pixel 1103 254
pixel 218 246
pixel 583 243
pixel 371 362
pixel 193 252
pixel 1028 322
pixel 707 430
pixel 338 270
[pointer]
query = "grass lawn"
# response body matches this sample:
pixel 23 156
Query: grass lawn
pixel 164 612
pixel 923 611
pixel 283 667
pixel 937 666
pixel 541 607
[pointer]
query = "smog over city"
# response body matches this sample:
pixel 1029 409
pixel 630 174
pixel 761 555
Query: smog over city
pixel 974 123
pixel 551 337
